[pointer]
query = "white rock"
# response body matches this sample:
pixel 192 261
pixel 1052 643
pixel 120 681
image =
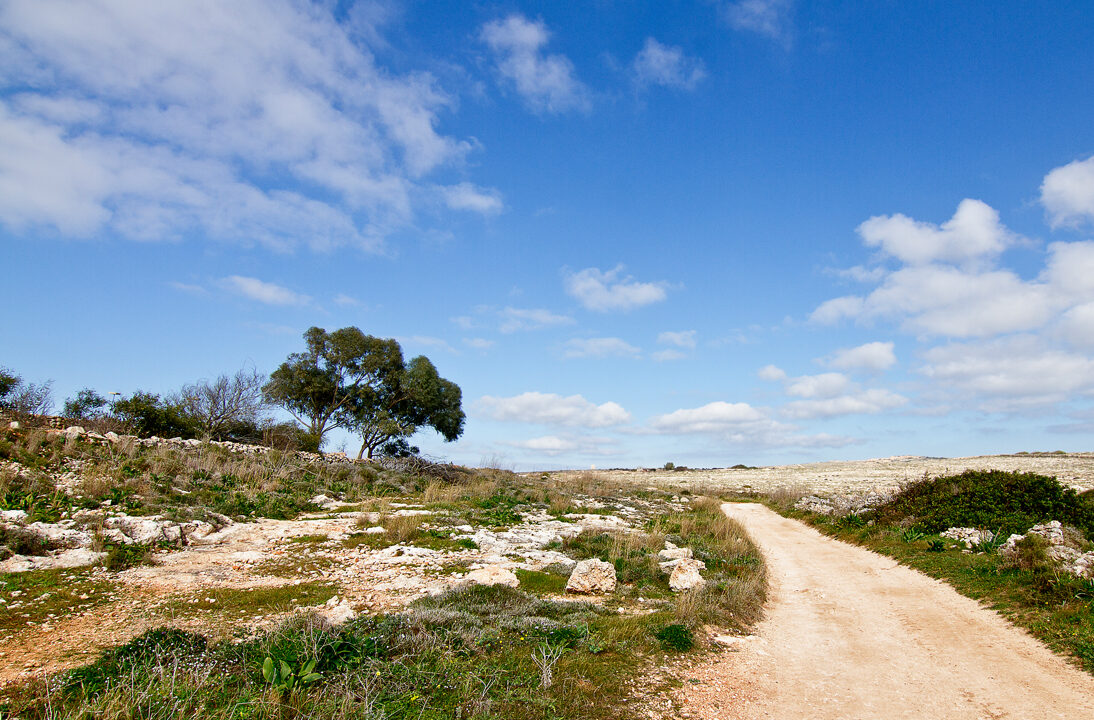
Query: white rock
pixel 75 431
pixel 592 577
pixel 968 536
pixel 13 516
pixel 14 425
pixel 685 576
pixel 492 575
pixel 375 530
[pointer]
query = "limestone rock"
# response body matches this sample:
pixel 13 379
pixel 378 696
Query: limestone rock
pixel 969 536
pixel 336 612
pixel 671 552
pixel 685 576
pixel 74 431
pixel 493 575
pixel 592 577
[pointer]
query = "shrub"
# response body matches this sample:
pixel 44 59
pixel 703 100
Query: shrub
pixel 1007 502
pixel 675 637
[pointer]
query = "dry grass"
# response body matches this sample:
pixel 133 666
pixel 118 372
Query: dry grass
pixel 402 528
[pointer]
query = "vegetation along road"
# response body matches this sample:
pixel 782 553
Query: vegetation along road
pixel 852 634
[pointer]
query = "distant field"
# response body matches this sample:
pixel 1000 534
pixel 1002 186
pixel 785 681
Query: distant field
pixel 850 477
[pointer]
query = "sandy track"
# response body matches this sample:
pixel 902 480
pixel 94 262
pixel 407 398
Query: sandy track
pixel 851 634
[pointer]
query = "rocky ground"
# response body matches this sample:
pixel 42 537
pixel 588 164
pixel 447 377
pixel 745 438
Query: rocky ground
pixel 852 477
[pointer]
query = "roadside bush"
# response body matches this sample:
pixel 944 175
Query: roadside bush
pixel 1005 502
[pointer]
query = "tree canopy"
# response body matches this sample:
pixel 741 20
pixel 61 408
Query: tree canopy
pixel 361 383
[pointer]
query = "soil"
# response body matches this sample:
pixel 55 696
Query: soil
pixel 851 634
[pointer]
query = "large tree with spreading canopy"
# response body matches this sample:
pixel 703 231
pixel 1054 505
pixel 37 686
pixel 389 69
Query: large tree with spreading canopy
pixel 361 383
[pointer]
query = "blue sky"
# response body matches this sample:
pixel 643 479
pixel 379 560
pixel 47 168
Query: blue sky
pixel 708 232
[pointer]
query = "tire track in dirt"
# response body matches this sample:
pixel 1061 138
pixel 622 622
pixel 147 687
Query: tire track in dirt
pixel 851 634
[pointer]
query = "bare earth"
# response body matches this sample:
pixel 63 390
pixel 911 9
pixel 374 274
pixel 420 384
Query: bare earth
pixel 851 634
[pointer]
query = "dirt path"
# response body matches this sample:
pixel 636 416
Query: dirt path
pixel 851 634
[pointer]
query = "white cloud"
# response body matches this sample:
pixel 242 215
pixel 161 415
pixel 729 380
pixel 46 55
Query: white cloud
pixel 427 341
pixel 608 291
pixel 683 338
pixel 825 385
pixel 466 196
pixel 188 288
pixel 263 292
pixel 514 319
pixel 667 355
pixel 770 18
pixel 771 373
pixel 478 343
pixel 1068 194
pixel 857 402
pixel 740 424
pixel 545 82
pixel 346 300
pixel 254 122
pixel 665 65
pixel 600 348
pixel 873 356
pixel 1010 373
pixel 715 417
pixel 942 300
pixel 555 445
pixel 552 409
pixel 972 234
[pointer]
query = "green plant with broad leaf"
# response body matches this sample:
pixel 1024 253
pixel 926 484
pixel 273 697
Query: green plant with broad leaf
pixel 286 679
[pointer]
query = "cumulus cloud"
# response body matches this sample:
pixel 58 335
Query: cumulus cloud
pixel 605 291
pixel 873 356
pixel 1010 373
pixel 972 234
pixel 740 424
pixel 263 292
pixel 555 445
pixel 770 18
pixel 552 409
pixel 825 385
pixel 478 343
pixel 771 373
pixel 514 319
pixel 253 121
pixel 1067 194
pixel 466 196
pixel 682 338
pixel 667 355
pixel 600 348
pixel 545 82
pixel 857 402
pixel 665 65
pixel 427 341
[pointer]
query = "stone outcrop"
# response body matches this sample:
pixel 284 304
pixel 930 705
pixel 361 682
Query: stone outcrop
pixel 492 575
pixel 969 536
pixel 685 575
pixel 1064 547
pixel 592 577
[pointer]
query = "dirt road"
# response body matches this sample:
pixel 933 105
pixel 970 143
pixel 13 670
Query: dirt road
pixel 851 634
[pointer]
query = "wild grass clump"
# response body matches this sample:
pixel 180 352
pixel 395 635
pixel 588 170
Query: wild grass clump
pixel 1007 502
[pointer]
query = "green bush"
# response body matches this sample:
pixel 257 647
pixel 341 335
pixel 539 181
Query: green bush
pixel 675 637
pixel 1005 502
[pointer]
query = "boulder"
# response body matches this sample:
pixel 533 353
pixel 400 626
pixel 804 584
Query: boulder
pixel 685 576
pixel 671 552
pixel 74 431
pixel 592 577
pixel 336 612
pixel 492 575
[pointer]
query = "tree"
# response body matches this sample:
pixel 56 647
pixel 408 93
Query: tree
pixel 87 405
pixel 148 415
pixel 414 397
pixel 24 401
pixel 319 385
pixel 224 405
pixel 359 382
